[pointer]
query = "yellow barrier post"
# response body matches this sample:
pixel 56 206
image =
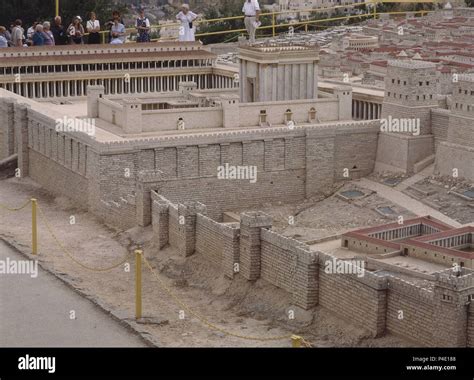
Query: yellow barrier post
pixel 57 8
pixel 138 284
pixel 296 341
pixel 34 231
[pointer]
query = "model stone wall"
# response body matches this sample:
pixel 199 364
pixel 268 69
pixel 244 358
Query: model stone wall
pixel 470 325
pixel 399 152
pixel 361 300
pixel 326 110
pixel 229 114
pixel 291 164
pixel 455 154
pixel 279 259
pixel 410 311
pixel 110 111
pixel 461 130
pixel 57 179
pixel 357 244
pixel 353 153
pixel 453 158
pixel 193 118
pixel 439 125
pixel 210 239
pixel 436 256
pixel 173 226
pixel 371 301
pixel 7 133
pixel 59 162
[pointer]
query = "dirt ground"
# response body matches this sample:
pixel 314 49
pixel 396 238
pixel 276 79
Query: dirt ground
pixel 319 218
pixel 252 309
pixel 440 196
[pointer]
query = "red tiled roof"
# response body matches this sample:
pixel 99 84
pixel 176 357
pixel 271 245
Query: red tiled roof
pixel 379 63
pixel 446 251
pixel 424 242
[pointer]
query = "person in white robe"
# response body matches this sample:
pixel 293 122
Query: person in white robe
pixel 187 27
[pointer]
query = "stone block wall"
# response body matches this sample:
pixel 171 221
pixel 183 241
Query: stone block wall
pixel 454 158
pixel 410 311
pixel 470 325
pixel 291 164
pixel 439 125
pixel 210 239
pixel 373 302
pixel 361 300
pixel 399 152
pixel 461 130
pixel 174 236
pixel 160 220
pixel 289 265
pixel 7 135
pixel 59 162
pixel 367 245
pixel 251 225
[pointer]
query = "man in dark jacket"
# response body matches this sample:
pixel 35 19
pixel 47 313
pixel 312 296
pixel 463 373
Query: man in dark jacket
pixel 59 32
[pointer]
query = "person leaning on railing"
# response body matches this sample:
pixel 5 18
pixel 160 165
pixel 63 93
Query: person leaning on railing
pixel 3 39
pixel 38 36
pixel 117 31
pixel 142 24
pixel 30 32
pixel 75 31
pixel 93 28
pixel 110 23
pixel 48 35
pixel 59 32
pixel 18 34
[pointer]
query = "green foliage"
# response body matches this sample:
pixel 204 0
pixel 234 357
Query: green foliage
pixel 32 10
pixel 227 8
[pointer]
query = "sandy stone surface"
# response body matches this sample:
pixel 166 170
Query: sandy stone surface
pixel 252 309
pixel 319 218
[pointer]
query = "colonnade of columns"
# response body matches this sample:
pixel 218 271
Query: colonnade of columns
pixel 453 241
pixel 366 110
pixel 122 85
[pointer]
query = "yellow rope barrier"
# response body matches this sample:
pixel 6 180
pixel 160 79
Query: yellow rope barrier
pixel 204 320
pixel 68 254
pixel 17 208
pixel 297 341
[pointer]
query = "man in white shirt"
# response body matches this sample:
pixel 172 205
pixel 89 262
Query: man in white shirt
pixel 17 34
pixel 251 10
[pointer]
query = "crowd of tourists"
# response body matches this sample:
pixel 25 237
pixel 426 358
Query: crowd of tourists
pixel 56 33
pixel 78 32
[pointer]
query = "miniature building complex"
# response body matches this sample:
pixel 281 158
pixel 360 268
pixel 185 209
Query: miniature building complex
pixel 149 148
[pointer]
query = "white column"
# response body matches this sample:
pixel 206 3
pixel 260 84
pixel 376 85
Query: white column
pixel 315 81
pixel 287 87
